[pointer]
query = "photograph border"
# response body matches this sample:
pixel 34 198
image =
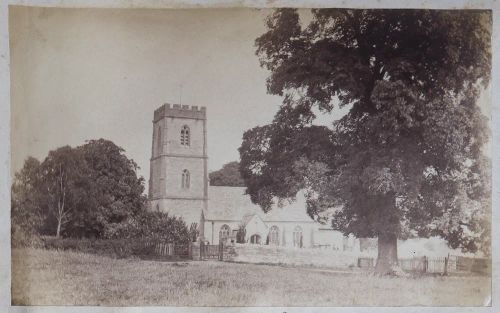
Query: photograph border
pixel 5 179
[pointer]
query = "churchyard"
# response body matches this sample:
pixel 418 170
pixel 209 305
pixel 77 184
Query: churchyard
pixel 51 277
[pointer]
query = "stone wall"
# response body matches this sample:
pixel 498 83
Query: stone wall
pixel 290 256
pixel 195 251
pixel 229 252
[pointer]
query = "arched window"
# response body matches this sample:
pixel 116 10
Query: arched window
pixel 255 239
pixel 185 135
pixel 224 232
pixel 297 237
pixel 185 179
pixel 158 144
pixel 274 236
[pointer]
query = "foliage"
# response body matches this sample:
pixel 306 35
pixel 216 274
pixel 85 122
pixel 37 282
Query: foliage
pixel 113 192
pixel 241 234
pixel 228 175
pixel 20 237
pixel 90 191
pixel 26 215
pixel 127 238
pixel 153 226
pixel 194 232
pixel 158 225
pixel 118 248
pixel 406 160
pixel 87 191
pixel 61 187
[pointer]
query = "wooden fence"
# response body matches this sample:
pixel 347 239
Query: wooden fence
pixel 164 249
pixel 475 265
pixel 366 262
pixel 199 251
pixel 442 265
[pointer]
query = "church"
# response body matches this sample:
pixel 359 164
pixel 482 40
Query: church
pixel 179 186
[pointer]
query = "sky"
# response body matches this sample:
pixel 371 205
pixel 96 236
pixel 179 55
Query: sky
pixel 80 74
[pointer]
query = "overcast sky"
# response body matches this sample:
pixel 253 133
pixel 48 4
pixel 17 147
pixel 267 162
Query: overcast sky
pixel 79 74
pixel 100 73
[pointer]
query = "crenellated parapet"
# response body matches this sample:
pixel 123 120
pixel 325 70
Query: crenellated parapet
pixel 177 110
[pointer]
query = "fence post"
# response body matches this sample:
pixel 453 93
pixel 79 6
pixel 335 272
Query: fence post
pixel 446 265
pixel 425 264
pixel 221 251
pixel 202 244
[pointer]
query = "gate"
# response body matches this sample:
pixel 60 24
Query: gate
pixel 211 251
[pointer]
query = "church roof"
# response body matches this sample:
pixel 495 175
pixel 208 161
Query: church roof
pixel 247 218
pixel 232 204
pixel 229 203
pixel 294 211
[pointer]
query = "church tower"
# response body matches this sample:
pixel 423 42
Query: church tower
pixel 178 182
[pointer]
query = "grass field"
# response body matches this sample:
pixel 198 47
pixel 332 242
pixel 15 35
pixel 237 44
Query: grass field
pixel 42 277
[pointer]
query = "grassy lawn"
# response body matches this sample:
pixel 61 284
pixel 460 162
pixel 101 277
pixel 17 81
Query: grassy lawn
pixel 42 277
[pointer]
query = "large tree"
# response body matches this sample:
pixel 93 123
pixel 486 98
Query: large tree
pixel 87 191
pixel 60 187
pixel 114 191
pixel 406 160
pixel 26 214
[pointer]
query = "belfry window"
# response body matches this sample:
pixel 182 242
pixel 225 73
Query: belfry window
pixel 185 140
pixel 185 179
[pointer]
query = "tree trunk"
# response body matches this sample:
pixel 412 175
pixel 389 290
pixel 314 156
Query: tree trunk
pixel 58 232
pixel 387 254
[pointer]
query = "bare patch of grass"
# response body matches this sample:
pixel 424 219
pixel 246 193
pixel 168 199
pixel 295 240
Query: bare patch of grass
pixel 41 277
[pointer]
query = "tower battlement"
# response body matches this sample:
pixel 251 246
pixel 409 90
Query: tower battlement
pixel 177 110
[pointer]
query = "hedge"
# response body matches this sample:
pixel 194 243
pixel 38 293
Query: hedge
pixel 118 248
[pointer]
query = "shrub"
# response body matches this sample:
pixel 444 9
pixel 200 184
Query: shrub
pixel 194 233
pixel 161 226
pixel 130 228
pixel 240 235
pixel 134 236
pixel 152 226
pixel 117 248
pixel 113 248
pixel 20 237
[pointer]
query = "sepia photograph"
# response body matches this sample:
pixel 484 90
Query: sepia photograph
pixel 250 157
